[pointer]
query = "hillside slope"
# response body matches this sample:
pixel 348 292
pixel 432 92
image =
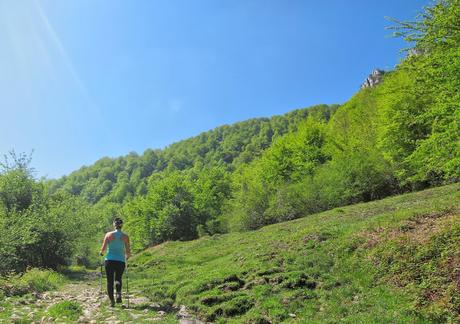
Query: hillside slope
pixel 117 179
pixel 396 260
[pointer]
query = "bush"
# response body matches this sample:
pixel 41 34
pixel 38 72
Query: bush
pixel 10 285
pixel 42 280
pixel 70 309
pixel 34 280
pixel 284 205
pixel 355 177
pixel 36 227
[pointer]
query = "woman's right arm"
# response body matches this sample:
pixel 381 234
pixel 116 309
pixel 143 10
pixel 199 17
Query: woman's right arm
pixel 104 246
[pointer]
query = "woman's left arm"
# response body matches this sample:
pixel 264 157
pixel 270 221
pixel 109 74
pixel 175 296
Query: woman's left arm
pixel 127 247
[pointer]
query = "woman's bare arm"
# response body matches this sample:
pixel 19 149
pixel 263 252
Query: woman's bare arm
pixel 104 245
pixel 127 247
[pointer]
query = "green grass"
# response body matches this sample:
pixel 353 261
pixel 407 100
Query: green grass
pixel 42 280
pixel 19 292
pixel 33 280
pixel 395 260
pixel 66 310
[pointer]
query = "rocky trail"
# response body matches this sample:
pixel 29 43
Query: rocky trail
pixel 94 306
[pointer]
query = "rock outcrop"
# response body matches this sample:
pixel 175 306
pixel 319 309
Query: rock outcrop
pixel 373 79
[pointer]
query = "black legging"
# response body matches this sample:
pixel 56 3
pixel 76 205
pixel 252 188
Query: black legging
pixel 114 269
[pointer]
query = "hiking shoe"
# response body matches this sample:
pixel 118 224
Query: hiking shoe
pixel 118 298
pixel 112 303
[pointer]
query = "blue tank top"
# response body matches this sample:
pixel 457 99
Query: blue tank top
pixel 116 248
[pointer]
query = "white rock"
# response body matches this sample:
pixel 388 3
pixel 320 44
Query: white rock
pixel 15 316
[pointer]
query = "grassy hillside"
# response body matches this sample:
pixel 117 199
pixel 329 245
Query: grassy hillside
pixel 395 260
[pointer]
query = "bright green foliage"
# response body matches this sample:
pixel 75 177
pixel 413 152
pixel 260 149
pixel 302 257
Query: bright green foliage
pixel 354 125
pixel 18 190
pixel 296 155
pixel 250 201
pixel 400 128
pixel 264 195
pixel 38 229
pixel 210 188
pixel 170 205
pixel 166 212
pixel 433 97
pixel 178 205
pixel 353 177
pixel 320 166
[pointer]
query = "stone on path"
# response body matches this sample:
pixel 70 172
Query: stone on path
pixel 139 300
pixel 185 317
pixel 15 316
pixel 190 321
pixel 136 316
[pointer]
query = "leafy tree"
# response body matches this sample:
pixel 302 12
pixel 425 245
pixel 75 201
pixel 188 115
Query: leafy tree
pixel 354 177
pixel 165 213
pixel 435 66
pixel 17 185
pixel 38 229
pixel 264 195
pixel 210 188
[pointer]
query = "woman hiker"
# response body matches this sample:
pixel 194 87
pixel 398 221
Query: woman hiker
pixel 115 260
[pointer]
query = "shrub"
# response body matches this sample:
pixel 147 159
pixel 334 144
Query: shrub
pixel 34 280
pixel 354 177
pixel 70 309
pixel 42 280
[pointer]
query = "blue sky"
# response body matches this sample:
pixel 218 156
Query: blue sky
pixel 84 79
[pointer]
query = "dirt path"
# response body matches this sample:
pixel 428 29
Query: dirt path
pixel 95 307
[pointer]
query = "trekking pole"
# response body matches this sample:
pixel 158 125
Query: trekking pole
pixel 100 279
pixel 127 283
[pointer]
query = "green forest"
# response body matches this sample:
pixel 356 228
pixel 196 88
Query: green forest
pixel 400 136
